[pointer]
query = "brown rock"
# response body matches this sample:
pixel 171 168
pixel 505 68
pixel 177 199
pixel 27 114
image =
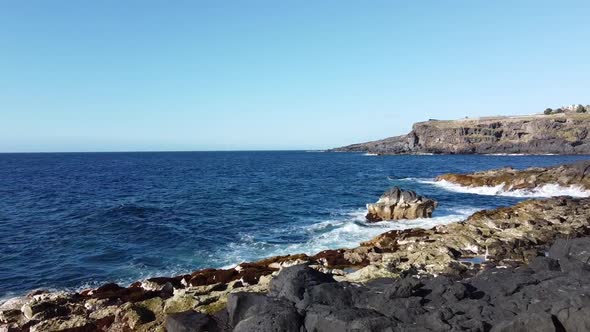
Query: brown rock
pixel 65 324
pixel 332 258
pixel 558 134
pixel 575 174
pixel 398 204
pixel 131 294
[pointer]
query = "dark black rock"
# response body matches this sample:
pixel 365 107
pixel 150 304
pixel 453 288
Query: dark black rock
pixel 325 318
pixel 292 282
pixel 257 312
pixel 575 319
pixel 497 283
pixel 550 294
pixel 526 322
pixel 403 288
pixel 337 295
pixel 189 321
pixel 573 254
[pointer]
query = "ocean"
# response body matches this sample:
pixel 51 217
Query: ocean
pixel 78 220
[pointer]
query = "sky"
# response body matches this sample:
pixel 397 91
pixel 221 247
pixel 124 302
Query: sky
pixel 146 75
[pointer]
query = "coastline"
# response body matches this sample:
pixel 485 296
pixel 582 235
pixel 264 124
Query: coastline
pixel 503 237
pixel 539 134
pixel 206 290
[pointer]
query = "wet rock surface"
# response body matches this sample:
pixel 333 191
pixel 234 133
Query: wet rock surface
pixel 384 284
pixel 575 174
pixel 397 204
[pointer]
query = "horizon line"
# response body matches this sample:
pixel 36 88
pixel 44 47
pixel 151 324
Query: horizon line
pixel 162 151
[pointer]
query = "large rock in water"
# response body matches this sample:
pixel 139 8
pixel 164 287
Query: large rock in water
pixel 398 204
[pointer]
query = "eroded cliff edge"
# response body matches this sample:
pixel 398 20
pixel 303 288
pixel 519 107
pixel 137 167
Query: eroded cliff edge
pixel 563 133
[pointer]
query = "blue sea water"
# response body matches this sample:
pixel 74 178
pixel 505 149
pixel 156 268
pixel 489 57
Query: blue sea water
pixel 75 220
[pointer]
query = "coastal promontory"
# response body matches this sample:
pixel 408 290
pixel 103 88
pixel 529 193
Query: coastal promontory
pixel 564 132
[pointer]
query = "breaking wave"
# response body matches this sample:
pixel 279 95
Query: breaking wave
pixel 345 231
pixel 547 190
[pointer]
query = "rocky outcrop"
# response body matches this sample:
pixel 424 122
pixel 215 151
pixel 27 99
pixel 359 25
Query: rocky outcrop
pixel 307 296
pixel 550 294
pixel 564 133
pixel 397 204
pixel 576 174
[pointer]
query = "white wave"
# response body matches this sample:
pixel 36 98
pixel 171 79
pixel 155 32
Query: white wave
pixel 420 180
pixel 346 231
pixel 520 154
pixel 370 154
pixel 547 190
pixel 505 154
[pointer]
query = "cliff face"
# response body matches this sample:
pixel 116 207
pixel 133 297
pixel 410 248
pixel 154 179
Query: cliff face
pixel 537 134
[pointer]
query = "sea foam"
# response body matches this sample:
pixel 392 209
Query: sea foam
pixel 344 231
pixel 547 190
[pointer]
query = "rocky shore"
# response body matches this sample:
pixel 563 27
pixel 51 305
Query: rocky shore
pixel 561 133
pixel 570 175
pixel 549 294
pixel 468 275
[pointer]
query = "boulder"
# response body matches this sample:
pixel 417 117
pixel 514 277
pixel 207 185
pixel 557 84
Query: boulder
pixel 43 310
pixel 132 316
pixel 539 322
pixel 65 324
pixel 572 254
pixel 398 204
pixel 189 321
pixel 104 317
pixel 292 282
pixel 325 318
pixel 257 312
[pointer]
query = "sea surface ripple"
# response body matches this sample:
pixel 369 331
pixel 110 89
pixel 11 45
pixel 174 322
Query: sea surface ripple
pixel 75 220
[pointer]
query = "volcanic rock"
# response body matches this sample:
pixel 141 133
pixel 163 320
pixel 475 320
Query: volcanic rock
pixel 257 312
pixel 292 282
pixel 564 133
pixel 575 174
pixel 398 204
pixel 540 297
pixel 190 321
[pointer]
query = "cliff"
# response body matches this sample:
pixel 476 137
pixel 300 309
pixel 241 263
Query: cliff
pixel 563 133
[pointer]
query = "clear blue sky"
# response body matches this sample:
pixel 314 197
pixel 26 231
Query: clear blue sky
pixel 117 75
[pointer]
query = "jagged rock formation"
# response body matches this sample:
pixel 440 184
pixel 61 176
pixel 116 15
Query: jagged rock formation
pixel 575 174
pixel 564 133
pixel 397 204
pixel 505 236
pixel 551 294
